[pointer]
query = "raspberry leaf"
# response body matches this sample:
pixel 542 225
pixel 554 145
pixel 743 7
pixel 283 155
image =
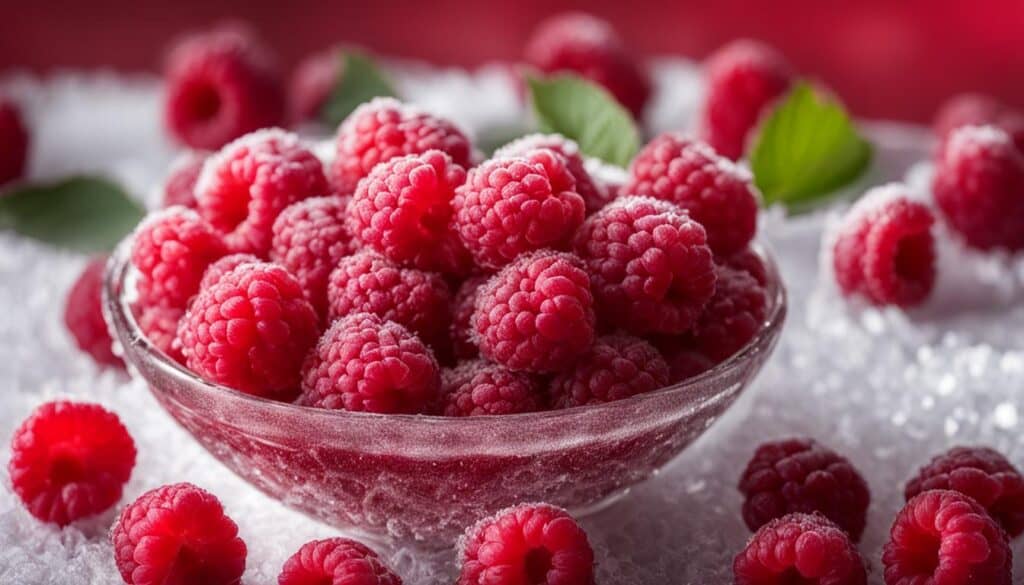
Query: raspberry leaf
pixel 586 113
pixel 84 213
pixel 807 149
pixel 360 81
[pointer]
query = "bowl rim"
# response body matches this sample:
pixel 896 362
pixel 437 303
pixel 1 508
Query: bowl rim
pixel 122 322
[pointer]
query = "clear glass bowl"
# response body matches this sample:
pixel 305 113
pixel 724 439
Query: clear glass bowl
pixel 426 478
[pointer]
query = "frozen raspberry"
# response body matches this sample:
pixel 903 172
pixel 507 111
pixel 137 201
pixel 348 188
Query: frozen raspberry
pixel 244 187
pixel 885 249
pixel 369 283
pixel 171 251
pixel 685 362
pixel 750 262
pixel 176 535
pixel 14 137
pixel 83 315
pixel 385 128
pixel 250 331
pixel 979 187
pixel 461 331
pixel 650 267
pixel 717 193
pixel 594 195
pixel 311 84
pixel 984 475
pixel 180 185
pixel 221 84
pixel 336 561
pixel 403 209
pixel 799 475
pixel 477 388
pixel 616 367
pixel 536 314
pixel 160 326
pixel 946 538
pixel 516 205
pixel 364 363
pixel 978 110
pixel 215 271
pixel 799 548
pixel 70 460
pixel 525 545
pixel 310 239
pixel 588 46
pixel 732 317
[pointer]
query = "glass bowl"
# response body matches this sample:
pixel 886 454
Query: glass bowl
pixel 425 478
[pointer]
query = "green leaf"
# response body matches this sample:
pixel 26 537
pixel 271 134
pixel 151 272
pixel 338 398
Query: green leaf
pixel 360 81
pixel 87 214
pixel 807 149
pixel 586 113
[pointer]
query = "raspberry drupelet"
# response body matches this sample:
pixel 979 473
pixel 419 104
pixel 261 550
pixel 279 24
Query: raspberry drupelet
pixel 799 548
pixel 536 314
pixel 715 191
pixel 479 388
pixel 461 330
pixel 615 367
pixel 336 561
pixel 525 545
pixel 180 184
pixel 595 196
pixel 83 315
pixel 244 187
pixel 14 137
pixel 732 317
pixel 70 460
pixel 178 534
pixel 978 110
pixel 650 266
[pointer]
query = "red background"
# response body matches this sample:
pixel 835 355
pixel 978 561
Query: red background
pixel 887 58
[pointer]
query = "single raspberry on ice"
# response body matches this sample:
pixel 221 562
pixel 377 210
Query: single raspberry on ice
pixel 83 315
pixel 336 561
pixel 798 549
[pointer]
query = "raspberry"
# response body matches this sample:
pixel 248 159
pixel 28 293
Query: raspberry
pixel 750 262
pixel 588 46
pixel 367 282
pixel 732 317
pixel 526 544
pixel 978 110
pixel 946 538
pixel 176 535
pixel 310 239
pixel 799 475
pixel 594 195
pixel 616 367
pixel 70 460
pixel 171 251
pixel 336 561
pixel 536 314
pixel 799 548
pixel 215 271
pixel 511 206
pixel 311 85
pixel 364 363
pixel 250 331
pixel 83 315
pixel 221 84
pixel 716 193
pixel 984 475
pixel 650 265
pixel 180 185
pixel 885 249
pixel 385 128
pixel 979 188
pixel 743 79
pixel 14 137
pixel 478 388
pixel 403 210
pixel 461 330
pixel 685 362
pixel 160 326
pixel 244 187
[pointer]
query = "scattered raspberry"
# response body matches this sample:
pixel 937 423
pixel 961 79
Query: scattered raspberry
pixel 83 315
pixel 946 538
pixel 310 239
pixel 311 85
pixel 536 314
pixel 588 46
pixel 525 545
pixel 743 79
pixel 717 193
pixel 516 205
pixel 70 460
pixel 979 187
pixel 244 187
pixel 732 317
pixel 160 326
pixel 616 367
pixel 978 110
pixel 650 265
pixel 177 534
pixel 984 475
pixel 221 84
pixel 336 561
pixel 461 330
pixel 385 128
pixel 364 363
pixel 799 475
pixel 403 209
pixel 594 195
pixel 14 137
pixel 479 388
pixel 750 262
pixel 250 331
pixel 221 267
pixel 180 185
pixel 799 548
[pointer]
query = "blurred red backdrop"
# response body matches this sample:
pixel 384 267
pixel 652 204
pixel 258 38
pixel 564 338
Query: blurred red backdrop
pixel 887 58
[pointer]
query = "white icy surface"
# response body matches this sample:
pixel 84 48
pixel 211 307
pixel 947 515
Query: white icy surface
pixel 885 388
